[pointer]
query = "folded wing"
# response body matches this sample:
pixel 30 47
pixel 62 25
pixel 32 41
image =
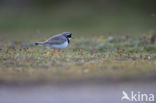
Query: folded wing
pixel 58 39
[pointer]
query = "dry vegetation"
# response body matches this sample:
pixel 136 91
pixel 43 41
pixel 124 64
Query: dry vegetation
pixel 99 59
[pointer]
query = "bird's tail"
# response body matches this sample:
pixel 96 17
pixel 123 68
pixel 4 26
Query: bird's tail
pixel 39 43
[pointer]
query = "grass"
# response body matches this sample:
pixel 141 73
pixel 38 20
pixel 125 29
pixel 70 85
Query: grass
pixel 86 59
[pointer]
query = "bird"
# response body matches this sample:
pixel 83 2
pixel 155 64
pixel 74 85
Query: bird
pixel 58 41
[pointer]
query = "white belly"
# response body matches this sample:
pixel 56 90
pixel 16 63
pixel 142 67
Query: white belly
pixel 58 46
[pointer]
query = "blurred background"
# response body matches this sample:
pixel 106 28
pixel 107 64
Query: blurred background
pixel 34 17
pixel 127 53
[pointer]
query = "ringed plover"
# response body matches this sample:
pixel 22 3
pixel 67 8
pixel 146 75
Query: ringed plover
pixel 58 41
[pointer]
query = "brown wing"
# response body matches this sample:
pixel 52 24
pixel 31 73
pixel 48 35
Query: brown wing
pixel 57 39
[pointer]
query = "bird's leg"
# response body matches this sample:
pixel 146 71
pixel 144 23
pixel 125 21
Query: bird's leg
pixel 59 50
pixel 54 51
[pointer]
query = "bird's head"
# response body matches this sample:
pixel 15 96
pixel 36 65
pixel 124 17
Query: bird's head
pixel 67 35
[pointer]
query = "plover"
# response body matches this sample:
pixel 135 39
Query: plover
pixel 58 41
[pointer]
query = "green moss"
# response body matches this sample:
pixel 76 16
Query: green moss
pixel 98 59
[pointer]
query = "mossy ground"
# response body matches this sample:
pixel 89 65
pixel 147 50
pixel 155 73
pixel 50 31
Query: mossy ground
pixel 92 59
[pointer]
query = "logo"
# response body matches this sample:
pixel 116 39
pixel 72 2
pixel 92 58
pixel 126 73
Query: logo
pixel 125 96
pixel 137 97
